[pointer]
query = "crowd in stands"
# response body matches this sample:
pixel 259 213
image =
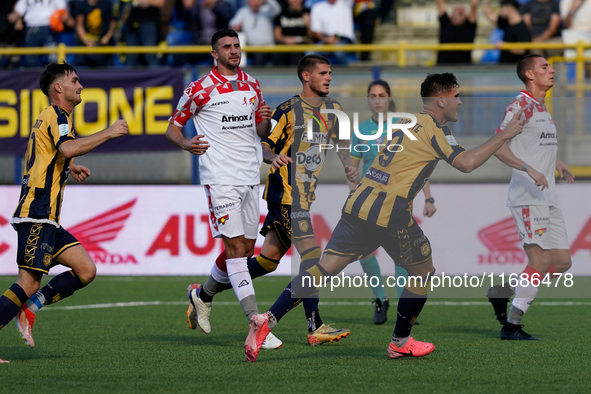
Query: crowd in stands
pixel 92 23
pixel 517 21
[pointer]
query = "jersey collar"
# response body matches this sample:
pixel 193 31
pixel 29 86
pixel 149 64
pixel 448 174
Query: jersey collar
pixel 221 78
pixel 525 93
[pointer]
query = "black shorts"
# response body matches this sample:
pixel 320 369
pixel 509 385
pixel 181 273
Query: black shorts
pixel 39 244
pixel 354 237
pixel 280 219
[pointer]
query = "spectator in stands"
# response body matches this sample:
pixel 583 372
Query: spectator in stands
pixel 510 20
pixel 292 27
pixel 95 26
pixel 331 22
pixel 9 36
pixel 204 17
pixel 385 15
pixel 576 19
pixel 457 29
pixel 365 15
pixel 542 17
pixel 255 20
pixel 141 25
pixel 36 16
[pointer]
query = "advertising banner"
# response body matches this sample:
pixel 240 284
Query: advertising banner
pixel 145 98
pixel 164 230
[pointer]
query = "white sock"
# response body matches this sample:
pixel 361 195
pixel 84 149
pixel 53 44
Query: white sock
pixel 524 296
pixel 242 285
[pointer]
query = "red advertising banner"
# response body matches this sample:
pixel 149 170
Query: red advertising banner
pixel 164 230
pixel 145 98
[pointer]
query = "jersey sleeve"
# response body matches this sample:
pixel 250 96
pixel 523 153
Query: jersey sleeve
pixel 259 93
pixel 193 98
pixel 279 124
pixel 333 133
pixel 60 129
pixel 444 143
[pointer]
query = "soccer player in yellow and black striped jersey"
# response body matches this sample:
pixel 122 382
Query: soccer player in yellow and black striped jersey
pixel 378 213
pixel 42 242
pixel 289 216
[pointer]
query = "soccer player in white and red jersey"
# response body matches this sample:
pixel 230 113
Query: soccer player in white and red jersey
pixel 532 155
pixel 230 115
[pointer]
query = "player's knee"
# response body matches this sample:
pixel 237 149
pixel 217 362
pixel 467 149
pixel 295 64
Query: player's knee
pixel 562 265
pixel 86 272
pixel 29 281
pixel 419 284
pixel 30 287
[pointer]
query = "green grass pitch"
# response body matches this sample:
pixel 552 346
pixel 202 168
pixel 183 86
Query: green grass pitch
pixel 89 344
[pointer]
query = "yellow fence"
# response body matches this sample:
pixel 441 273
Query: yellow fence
pixel 402 48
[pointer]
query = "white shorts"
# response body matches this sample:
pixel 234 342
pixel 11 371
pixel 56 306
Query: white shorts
pixel 233 210
pixel 541 225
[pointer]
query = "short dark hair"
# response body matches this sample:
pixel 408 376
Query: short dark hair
pixel 386 86
pixel 221 34
pixel 524 64
pixel 51 73
pixel 308 62
pixel 512 3
pixel 435 84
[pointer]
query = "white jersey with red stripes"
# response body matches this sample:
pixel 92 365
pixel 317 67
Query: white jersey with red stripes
pixel 537 147
pixel 226 111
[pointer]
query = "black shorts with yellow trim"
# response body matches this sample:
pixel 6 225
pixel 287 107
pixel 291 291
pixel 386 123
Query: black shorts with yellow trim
pixel 280 219
pixel 39 244
pixel 406 245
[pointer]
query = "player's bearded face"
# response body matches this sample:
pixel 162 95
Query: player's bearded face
pixel 320 80
pixel 229 52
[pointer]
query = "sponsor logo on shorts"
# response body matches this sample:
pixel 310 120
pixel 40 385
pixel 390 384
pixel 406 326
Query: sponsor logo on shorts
pixel 223 220
pixel 425 249
pixel 303 225
pixel 224 206
pixel 540 231
pixel 300 215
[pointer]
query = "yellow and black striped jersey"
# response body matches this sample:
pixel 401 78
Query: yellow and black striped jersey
pixel 385 194
pixel 295 184
pixel 46 168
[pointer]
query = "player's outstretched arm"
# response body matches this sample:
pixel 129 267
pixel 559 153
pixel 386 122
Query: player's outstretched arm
pixel 82 146
pixel 474 158
pixel 564 171
pixel 505 155
pixel 195 145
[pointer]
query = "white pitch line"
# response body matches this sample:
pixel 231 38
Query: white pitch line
pixel 324 303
